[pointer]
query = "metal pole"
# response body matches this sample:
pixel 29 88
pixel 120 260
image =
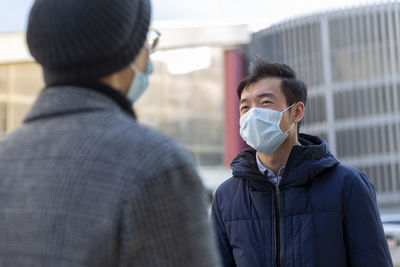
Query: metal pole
pixel 326 62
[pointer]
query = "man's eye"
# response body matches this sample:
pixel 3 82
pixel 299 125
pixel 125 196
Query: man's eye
pixel 244 108
pixel 265 102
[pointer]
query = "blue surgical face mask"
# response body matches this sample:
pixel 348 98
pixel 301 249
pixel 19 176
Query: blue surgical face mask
pixel 259 128
pixel 139 83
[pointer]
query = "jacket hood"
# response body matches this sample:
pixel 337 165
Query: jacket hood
pixel 304 164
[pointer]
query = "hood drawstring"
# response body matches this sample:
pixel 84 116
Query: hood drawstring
pixel 308 189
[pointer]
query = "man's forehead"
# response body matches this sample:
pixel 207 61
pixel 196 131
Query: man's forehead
pixel 268 87
pixel 268 82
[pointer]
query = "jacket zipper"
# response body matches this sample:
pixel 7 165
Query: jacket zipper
pixel 279 238
pixel 276 228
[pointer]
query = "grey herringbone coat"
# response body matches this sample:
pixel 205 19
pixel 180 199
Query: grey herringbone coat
pixel 83 184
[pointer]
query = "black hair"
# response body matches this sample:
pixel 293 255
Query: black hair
pixel 294 89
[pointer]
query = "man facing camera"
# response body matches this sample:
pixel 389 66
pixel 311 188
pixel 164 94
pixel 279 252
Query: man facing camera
pixel 290 202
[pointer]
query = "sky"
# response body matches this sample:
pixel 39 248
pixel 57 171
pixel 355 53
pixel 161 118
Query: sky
pixel 13 13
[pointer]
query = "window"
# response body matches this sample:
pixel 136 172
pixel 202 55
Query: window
pixel 188 104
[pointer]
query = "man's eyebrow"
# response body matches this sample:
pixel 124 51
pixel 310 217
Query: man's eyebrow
pixel 265 95
pixel 243 100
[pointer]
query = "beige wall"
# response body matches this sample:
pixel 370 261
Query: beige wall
pixel 20 84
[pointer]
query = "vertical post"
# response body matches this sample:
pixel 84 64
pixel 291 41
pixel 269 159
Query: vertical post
pixel 235 65
pixel 326 57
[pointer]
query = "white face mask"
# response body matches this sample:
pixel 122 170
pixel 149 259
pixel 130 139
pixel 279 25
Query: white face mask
pixel 139 83
pixel 259 128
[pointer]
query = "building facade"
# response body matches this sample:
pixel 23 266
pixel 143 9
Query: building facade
pixel 350 60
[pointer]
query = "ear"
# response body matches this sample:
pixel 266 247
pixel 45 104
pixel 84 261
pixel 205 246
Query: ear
pixel 298 112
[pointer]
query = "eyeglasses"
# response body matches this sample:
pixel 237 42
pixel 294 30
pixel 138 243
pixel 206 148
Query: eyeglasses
pixel 153 37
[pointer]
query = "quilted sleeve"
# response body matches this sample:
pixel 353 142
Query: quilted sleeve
pixel 365 240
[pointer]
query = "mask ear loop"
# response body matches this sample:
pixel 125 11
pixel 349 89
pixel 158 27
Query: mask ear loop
pixel 291 126
pixel 135 69
pixel 288 107
pixel 293 122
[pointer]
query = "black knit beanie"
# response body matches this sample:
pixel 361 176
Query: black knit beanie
pixel 84 40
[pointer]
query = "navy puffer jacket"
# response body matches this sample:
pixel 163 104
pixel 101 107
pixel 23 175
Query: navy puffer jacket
pixel 323 213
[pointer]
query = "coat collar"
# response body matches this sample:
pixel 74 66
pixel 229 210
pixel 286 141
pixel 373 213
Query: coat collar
pixel 65 99
pixel 305 162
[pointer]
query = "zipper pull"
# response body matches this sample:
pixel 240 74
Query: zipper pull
pixel 278 192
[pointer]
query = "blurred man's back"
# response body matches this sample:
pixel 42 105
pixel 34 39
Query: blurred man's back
pixel 81 182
